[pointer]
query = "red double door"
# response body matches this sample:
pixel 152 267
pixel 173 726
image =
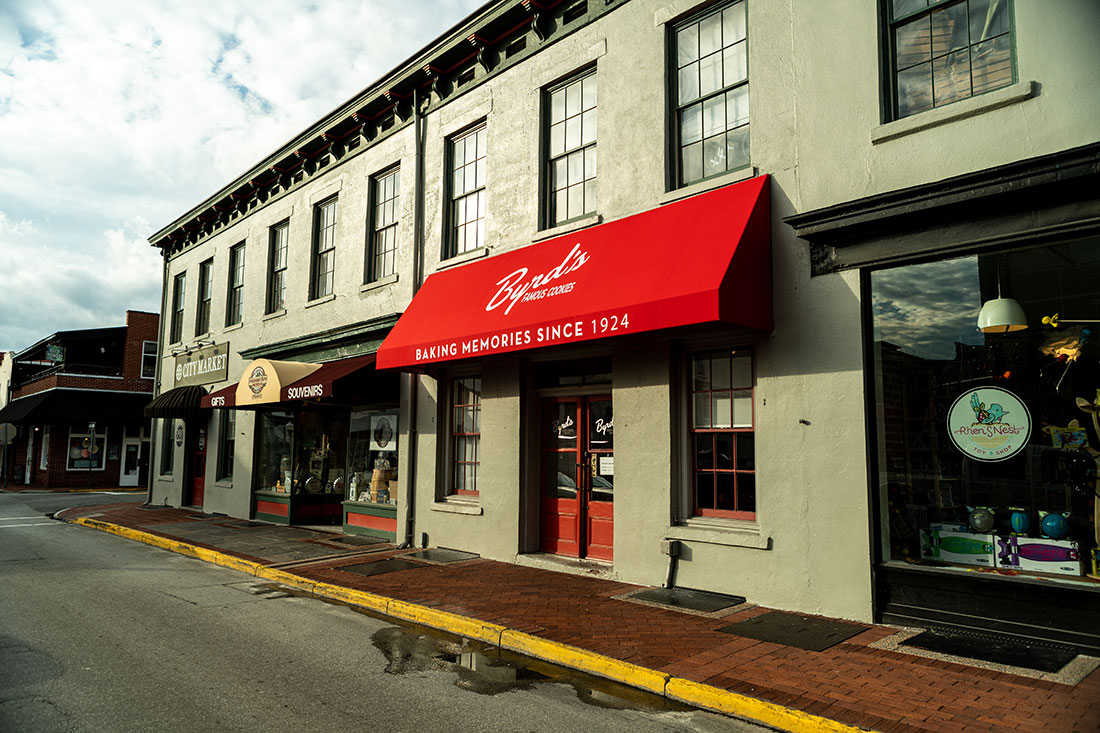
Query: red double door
pixel 578 477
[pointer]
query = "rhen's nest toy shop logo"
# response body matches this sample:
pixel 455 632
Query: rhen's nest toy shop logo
pixel 989 424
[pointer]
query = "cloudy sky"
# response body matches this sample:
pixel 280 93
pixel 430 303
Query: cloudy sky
pixel 115 118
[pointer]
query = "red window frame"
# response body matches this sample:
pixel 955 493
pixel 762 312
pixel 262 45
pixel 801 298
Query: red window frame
pixel 465 429
pixel 708 432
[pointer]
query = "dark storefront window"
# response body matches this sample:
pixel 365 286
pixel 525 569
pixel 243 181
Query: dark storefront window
pixel 372 457
pixel 227 434
pixel 465 435
pixel 167 448
pixel 987 440
pixel 303 453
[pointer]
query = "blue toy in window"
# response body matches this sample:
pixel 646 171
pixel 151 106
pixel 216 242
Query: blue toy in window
pixel 1019 520
pixel 1055 525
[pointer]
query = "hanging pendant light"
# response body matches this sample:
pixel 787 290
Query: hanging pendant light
pixel 1001 315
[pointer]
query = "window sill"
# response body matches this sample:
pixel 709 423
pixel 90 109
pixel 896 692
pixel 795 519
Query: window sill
pixel 457 506
pixel 731 533
pixel 234 327
pixel 473 254
pixel 957 111
pixel 570 226
pixel 319 301
pixel 709 184
pixel 223 484
pixel 379 283
pixel 274 314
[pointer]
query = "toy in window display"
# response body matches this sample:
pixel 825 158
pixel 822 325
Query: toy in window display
pixel 981 518
pixel 1019 520
pixel 1054 525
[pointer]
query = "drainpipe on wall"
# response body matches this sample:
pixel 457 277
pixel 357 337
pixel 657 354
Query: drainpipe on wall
pixel 418 266
pixel 151 472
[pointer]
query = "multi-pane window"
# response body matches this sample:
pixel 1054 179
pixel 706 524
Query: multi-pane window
pixel 382 257
pixel 276 278
pixel 167 449
pixel 723 464
pixel 324 248
pixel 467 229
pixel 712 93
pixel 148 359
pixel 234 300
pixel 465 434
pixel 179 292
pixel 227 433
pixel 206 289
pixel 946 50
pixel 572 170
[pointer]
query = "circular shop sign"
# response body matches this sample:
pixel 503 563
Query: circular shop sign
pixel 989 424
pixel 257 380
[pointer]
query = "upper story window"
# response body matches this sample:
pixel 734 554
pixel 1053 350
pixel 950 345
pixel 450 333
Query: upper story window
pixel 324 249
pixel 712 93
pixel 467 154
pixel 234 301
pixel 148 359
pixel 572 163
pixel 276 277
pixel 206 288
pixel 721 432
pixel 942 51
pixel 382 242
pixel 179 293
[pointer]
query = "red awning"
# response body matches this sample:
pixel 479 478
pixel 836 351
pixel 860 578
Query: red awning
pixel 224 397
pixel 701 260
pixel 320 383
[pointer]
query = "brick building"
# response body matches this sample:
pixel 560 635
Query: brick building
pixel 77 399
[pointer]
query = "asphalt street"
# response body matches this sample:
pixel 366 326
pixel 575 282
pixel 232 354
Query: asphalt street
pixel 102 633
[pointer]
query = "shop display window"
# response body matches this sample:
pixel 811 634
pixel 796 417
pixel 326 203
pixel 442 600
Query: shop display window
pixel 86 453
pixel 372 457
pixel 988 441
pixel 303 453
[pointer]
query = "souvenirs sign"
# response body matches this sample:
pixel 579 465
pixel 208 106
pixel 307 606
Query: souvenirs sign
pixel 989 424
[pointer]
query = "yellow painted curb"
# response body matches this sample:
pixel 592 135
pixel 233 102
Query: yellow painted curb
pixel 585 661
pixel 471 628
pixel 769 713
pixel 659 683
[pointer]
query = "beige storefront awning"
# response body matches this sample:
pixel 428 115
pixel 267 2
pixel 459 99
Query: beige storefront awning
pixel 263 380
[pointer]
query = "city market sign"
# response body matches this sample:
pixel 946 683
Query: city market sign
pixel 989 424
pixel 208 365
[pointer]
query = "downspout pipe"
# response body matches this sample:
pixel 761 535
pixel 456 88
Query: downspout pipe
pixel 418 276
pixel 153 443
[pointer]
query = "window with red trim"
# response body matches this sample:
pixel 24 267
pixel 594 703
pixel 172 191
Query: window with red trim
pixel 721 427
pixel 465 435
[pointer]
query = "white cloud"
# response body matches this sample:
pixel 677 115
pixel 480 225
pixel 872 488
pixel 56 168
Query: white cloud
pixel 117 118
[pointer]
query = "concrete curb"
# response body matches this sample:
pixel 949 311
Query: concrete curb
pixel 659 683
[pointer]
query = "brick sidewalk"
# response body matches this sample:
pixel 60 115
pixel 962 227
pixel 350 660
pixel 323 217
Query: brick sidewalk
pixel 852 682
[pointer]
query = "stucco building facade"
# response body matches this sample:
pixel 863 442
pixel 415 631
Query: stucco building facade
pixel 640 288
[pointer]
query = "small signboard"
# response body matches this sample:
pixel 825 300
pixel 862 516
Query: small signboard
pixel 7 433
pixel 207 365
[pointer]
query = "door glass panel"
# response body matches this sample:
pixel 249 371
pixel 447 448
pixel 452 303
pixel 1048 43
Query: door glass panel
pixel 601 426
pixel 131 459
pixel 561 471
pixel 563 426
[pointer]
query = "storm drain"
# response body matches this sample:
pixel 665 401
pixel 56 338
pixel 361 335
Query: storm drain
pixel 687 599
pixel 442 555
pixel 804 632
pixel 380 567
pixel 1037 655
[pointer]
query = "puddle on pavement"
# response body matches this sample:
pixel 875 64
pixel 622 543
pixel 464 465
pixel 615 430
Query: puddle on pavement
pixel 486 670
